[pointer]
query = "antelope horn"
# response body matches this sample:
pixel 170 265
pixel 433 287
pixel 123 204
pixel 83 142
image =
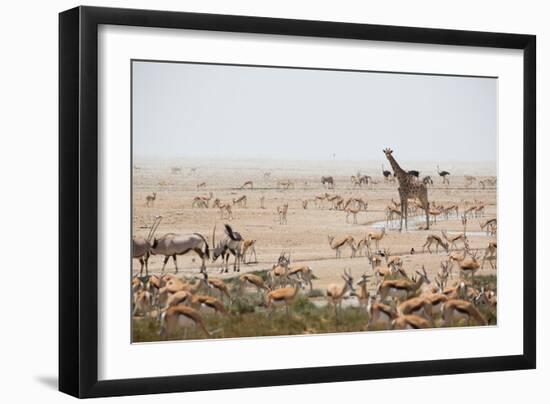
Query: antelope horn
pixel 214 236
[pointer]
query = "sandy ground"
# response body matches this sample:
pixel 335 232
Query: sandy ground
pixel 305 234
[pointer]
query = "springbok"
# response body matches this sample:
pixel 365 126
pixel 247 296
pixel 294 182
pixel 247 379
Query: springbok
pixel 223 207
pixel 353 212
pixel 283 296
pixel 201 185
pixel 363 294
pixel 282 212
pixel 302 273
pixel 171 245
pixel 379 313
pixel 431 239
pixel 490 255
pixel 249 246
pixel 218 284
pixel 469 265
pixel 337 243
pixel 401 289
pixel 335 293
pixel 409 322
pixel 418 306
pixel 458 310
pixel 376 236
pixel 285 184
pixel 453 240
pixel 253 280
pixel 486 225
pixel 181 316
pixel 240 201
pixel 150 199
pixel 201 200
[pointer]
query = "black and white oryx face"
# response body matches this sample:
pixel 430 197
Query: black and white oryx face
pixel 218 251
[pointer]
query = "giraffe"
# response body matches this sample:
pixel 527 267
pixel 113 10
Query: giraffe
pixel 409 188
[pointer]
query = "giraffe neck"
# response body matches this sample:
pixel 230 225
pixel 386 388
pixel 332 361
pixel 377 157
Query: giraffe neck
pixel 399 172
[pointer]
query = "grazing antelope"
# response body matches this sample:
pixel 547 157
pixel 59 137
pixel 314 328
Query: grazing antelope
pixel 218 284
pixel 201 185
pixel 208 304
pixel 431 239
pixel 458 310
pixel 376 236
pixel 248 184
pixel 175 170
pixel 267 175
pixel 171 245
pixel 285 184
pixel 479 210
pixel 150 199
pixel 240 201
pixel 318 200
pixel 418 306
pixel 337 243
pixel 454 240
pixel 282 212
pixel 409 322
pixel 401 289
pixel 379 313
pixel 181 316
pixel 253 280
pixel 205 199
pixel 335 293
pixel 223 208
pixel 302 273
pixel 304 203
pixel 283 296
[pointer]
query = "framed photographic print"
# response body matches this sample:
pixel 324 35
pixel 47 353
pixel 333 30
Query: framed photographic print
pixel 271 201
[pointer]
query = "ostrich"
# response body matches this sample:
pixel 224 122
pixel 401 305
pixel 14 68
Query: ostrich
pixel 414 173
pixel 386 173
pixel 444 175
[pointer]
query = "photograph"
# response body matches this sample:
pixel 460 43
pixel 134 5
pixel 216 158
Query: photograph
pixel 285 201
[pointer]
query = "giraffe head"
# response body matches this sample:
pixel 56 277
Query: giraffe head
pixel 388 152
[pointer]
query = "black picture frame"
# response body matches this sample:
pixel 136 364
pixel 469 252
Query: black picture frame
pixel 78 200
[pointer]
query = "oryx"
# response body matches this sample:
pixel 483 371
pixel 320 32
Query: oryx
pixel 171 245
pixel 141 246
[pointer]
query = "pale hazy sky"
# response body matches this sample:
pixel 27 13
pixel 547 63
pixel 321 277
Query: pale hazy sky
pixel 195 110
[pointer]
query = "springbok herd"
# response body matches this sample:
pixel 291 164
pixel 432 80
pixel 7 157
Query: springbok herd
pixel 398 248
